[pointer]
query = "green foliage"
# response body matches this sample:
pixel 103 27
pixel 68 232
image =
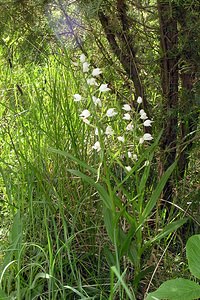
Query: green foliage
pixel 193 255
pixel 181 288
pixel 77 223
pixel 24 34
pixel 176 289
pixel 130 244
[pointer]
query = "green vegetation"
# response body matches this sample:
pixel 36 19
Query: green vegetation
pixel 99 164
pixel 183 288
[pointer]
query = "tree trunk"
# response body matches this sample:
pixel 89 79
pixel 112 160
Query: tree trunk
pixel 169 81
pixel 122 45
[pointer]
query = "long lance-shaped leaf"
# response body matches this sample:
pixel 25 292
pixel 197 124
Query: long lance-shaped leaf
pixel 102 192
pixel 71 157
pixel 130 294
pixel 107 204
pixel 147 153
pixel 156 194
pixel 166 231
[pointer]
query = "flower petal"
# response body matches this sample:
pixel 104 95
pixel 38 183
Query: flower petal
pixel 126 117
pixel 86 67
pixel 97 146
pixel 139 100
pixel 111 112
pixel 85 113
pixel 126 107
pixel 77 97
pixel 128 168
pixel 104 88
pixel 96 72
pixel 82 58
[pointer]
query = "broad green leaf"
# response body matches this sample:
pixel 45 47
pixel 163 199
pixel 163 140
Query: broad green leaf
pixel 176 289
pixel 167 230
pixel 128 241
pixel 193 255
pixel 102 192
pixel 156 194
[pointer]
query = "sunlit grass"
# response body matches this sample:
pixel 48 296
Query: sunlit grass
pixel 79 216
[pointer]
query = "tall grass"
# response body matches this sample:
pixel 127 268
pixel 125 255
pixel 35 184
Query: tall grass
pixel 78 222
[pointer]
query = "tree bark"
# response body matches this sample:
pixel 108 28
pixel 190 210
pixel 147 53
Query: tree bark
pixel 169 82
pixel 188 111
pixel 122 46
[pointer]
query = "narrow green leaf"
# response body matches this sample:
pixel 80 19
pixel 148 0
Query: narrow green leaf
pixel 145 156
pixel 3 295
pixel 102 192
pixel 15 239
pixel 109 222
pixel 40 275
pixel 193 254
pixel 110 257
pixel 71 157
pixel 76 292
pixel 120 278
pixel 167 230
pixel 156 194
pixel 176 289
pixel 145 176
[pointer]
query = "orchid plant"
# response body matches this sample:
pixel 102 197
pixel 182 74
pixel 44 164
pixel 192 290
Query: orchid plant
pixel 117 135
pixel 107 118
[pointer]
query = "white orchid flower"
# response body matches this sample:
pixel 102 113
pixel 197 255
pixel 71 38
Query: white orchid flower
pixel 104 88
pixel 82 58
pixel 121 139
pixel 126 117
pixel 97 146
pixel 85 114
pixel 91 81
pixel 111 112
pixel 129 127
pixel 146 137
pixel 96 72
pixel 147 123
pixel 96 101
pixel 77 97
pixel 143 116
pixel 139 100
pixel 126 107
pixel 128 168
pixel 86 67
pixel 109 131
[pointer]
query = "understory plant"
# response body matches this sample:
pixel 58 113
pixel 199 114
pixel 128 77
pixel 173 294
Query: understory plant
pixel 72 150
pixel 180 288
pixel 122 177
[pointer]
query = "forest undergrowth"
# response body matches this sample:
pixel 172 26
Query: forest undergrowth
pixel 80 195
